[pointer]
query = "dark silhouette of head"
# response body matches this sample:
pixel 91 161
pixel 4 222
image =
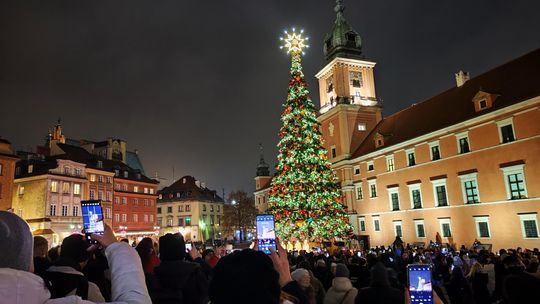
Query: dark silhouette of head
pixel 172 247
pixel 248 276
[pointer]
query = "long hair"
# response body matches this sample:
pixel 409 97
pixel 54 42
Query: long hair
pixel 144 248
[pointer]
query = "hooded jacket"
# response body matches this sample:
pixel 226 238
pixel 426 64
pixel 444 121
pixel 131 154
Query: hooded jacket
pixel 128 285
pixel 341 292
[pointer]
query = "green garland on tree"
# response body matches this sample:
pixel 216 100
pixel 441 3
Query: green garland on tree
pixel 305 196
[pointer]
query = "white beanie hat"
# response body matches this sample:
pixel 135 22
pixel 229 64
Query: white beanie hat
pixel 299 273
pixel 16 242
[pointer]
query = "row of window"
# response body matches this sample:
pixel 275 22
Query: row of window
pixel 66 187
pixel 180 194
pixel 528 223
pixel 187 208
pixel 186 221
pixel 122 218
pixel 65 211
pixel 92 195
pixel 100 178
pixel 134 201
pixel 514 179
pixel 506 134
pixel 136 189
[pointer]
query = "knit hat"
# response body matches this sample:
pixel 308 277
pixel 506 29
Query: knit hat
pixel 74 248
pixel 299 273
pixel 16 242
pixel 172 247
pixel 342 271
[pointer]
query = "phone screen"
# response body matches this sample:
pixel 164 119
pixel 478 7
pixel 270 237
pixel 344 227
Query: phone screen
pixel 92 215
pixel 266 233
pixel 420 289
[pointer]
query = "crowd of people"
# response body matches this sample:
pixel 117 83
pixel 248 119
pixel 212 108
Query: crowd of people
pixel 164 271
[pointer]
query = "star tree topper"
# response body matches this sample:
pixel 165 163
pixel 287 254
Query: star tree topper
pixel 294 42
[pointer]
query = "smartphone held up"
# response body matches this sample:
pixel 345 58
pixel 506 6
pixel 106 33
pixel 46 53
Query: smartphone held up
pixel 92 215
pixel 266 232
pixel 420 287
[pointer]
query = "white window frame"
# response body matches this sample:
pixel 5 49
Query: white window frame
pixel 52 210
pixel 514 170
pixel 376 218
pixel 135 217
pixel 506 122
pixel 356 187
pixel 460 136
pixel 65 210
pixel 469 178
pixel 124 217
pixel 528 217
pixel 75 211
pixel 355 169
pixel 370 183
pixel 372 165
pixel 416 223
pixel 391 191
pixel 108 212
pixel 431 145
pixel 400 224
pixel 445 221
pixel 407 153
pixel 117 218
pixel 418 187
pixel 360 220
pixel 477 221
pixel 390 161
pixel 437 183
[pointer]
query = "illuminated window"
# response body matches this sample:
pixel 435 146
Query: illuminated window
pixel 77 189
pixel 92 177
pixel 65 187
pixel 361 127
pixel 54 186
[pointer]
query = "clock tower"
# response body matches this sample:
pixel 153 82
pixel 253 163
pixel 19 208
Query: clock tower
pixel 349 108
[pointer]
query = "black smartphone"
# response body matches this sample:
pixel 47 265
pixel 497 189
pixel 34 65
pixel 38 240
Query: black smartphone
pixel 420 288
pixel 92 215
pixel 266 232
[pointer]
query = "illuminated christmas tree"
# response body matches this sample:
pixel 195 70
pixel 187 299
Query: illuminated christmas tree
pixel 305 196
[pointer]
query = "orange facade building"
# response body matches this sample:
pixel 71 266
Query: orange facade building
pixel 464 164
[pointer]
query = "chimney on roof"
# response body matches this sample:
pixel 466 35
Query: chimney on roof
pixel 461 78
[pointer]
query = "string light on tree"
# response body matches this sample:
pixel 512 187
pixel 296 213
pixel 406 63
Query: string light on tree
pixel 305 195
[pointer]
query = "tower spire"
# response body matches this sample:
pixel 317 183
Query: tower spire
pixel 262 168
pixel 343 41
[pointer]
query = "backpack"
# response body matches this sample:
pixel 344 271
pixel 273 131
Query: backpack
pixel 61 284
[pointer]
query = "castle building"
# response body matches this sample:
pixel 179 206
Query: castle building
pixel 7 172
pixel 462 163
pixel 189 207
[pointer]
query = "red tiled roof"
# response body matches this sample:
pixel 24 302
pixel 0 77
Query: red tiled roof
pixel 515 81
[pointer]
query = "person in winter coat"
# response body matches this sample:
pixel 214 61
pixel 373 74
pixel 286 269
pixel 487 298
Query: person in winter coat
pixel 176 280
pixel 18 285
pixel 74 256
pixel 379 290
pixel 318 287
pixel 458 289
pixel 342 291
pixel 479 281
pixel 149 259
pixel 301 276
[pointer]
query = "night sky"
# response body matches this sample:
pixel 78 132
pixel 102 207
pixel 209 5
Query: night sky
pixel 197 85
